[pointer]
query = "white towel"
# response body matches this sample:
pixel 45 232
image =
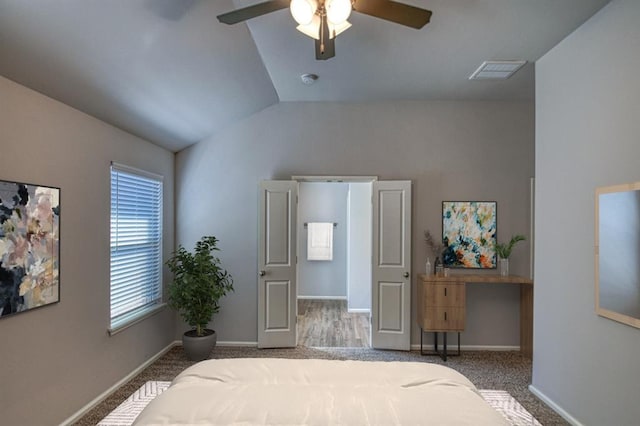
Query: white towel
pixel 320 241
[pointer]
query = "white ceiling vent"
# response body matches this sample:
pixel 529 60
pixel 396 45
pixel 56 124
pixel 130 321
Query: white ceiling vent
pixel 496 70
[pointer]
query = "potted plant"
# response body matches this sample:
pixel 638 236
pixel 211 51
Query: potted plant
pixel 198 283
pixel 437 250
pixel 504 251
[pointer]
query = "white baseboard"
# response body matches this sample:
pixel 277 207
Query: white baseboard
pixel 497 348
pixel 238 344
pixel 555 407
pixel 359 310
pixel 97 400
pixel 323 297
pixel 453 346
pixel 228 344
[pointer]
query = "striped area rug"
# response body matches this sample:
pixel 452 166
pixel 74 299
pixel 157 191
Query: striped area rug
pixel 126 413
pixel 511 409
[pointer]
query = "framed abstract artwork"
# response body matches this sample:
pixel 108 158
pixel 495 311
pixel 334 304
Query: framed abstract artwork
pixel 29 247
pixel 469 234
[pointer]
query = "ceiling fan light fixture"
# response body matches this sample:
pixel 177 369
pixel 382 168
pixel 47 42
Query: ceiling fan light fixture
pixel 338 11
pixel 323 20
pixel 303 11
pixel 336 29
pixel 313 29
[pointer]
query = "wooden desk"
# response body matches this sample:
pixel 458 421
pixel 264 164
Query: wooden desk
pixel 442 304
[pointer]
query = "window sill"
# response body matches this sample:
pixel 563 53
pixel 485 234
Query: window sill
pixel 135 318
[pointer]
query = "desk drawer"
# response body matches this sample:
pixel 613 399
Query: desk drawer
pixel 445 295
pixel 444 318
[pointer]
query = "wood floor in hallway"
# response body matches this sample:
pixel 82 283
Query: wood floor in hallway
pixel 327 323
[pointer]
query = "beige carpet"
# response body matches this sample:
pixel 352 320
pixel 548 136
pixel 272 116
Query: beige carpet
pixel 126 413
pixel 507 371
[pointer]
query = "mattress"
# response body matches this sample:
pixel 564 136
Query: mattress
pixel 319 392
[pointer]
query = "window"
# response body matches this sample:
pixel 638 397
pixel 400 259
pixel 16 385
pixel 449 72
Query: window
pixel 136 245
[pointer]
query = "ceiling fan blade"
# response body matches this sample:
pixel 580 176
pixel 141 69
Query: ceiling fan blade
pixel 254 11
pixel 399 13
pixel 325 46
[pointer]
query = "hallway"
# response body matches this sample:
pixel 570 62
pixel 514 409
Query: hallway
pixel 327 323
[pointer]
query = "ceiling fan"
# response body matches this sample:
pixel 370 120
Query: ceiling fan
pixel 323 20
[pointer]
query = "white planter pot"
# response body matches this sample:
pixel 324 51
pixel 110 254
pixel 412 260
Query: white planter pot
pixel 503 267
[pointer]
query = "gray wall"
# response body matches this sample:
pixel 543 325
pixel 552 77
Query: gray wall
pixel 587 135
pixel 58 358
pixel 323 202
pixel 359 247
pixel 450 150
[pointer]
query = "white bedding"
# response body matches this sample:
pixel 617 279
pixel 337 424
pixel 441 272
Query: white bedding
pixel 319 392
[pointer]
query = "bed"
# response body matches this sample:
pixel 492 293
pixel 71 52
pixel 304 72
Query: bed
pixel 319 392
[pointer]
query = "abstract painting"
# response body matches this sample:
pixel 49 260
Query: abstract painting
pixel 29 247
pixel 469 234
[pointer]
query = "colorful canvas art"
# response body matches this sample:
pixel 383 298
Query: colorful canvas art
pixel 29 247
pixel 469 234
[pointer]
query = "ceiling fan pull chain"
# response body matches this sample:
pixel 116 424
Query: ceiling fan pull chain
pixel 323 18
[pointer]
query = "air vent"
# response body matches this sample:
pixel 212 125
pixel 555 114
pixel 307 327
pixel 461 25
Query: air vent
pixel 496 70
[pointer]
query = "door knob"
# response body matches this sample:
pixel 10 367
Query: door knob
pixel 406 275
pixel 262 273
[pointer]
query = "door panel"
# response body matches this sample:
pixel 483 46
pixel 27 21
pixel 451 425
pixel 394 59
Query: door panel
pixel 277 228
pixel 277 305
pixel 391 287
pixel 390 309
pixel 277 264
pixel 390 228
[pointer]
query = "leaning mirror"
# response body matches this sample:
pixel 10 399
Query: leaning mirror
pixel 617 253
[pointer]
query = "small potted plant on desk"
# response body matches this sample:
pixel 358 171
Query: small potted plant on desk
pixel 437 250
pixel 198 284
pixel 504 251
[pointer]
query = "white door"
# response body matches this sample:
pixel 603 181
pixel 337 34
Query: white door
pixel 277 293
pixel 391 273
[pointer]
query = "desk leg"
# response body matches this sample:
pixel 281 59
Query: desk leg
pixel 444 346
pixel 444 354
pixel 526 320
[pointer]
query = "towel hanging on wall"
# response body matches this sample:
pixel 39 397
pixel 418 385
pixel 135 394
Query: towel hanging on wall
pixel 320 241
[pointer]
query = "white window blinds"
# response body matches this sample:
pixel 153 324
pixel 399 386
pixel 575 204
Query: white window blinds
pixel 136 243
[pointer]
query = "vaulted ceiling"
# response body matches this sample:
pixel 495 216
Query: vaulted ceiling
pixel 168 71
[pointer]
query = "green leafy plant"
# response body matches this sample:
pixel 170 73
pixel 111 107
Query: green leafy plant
pixel 504 250
pixel 199 282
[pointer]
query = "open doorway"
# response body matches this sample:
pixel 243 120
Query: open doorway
pixel 334 296
pixel 389 257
